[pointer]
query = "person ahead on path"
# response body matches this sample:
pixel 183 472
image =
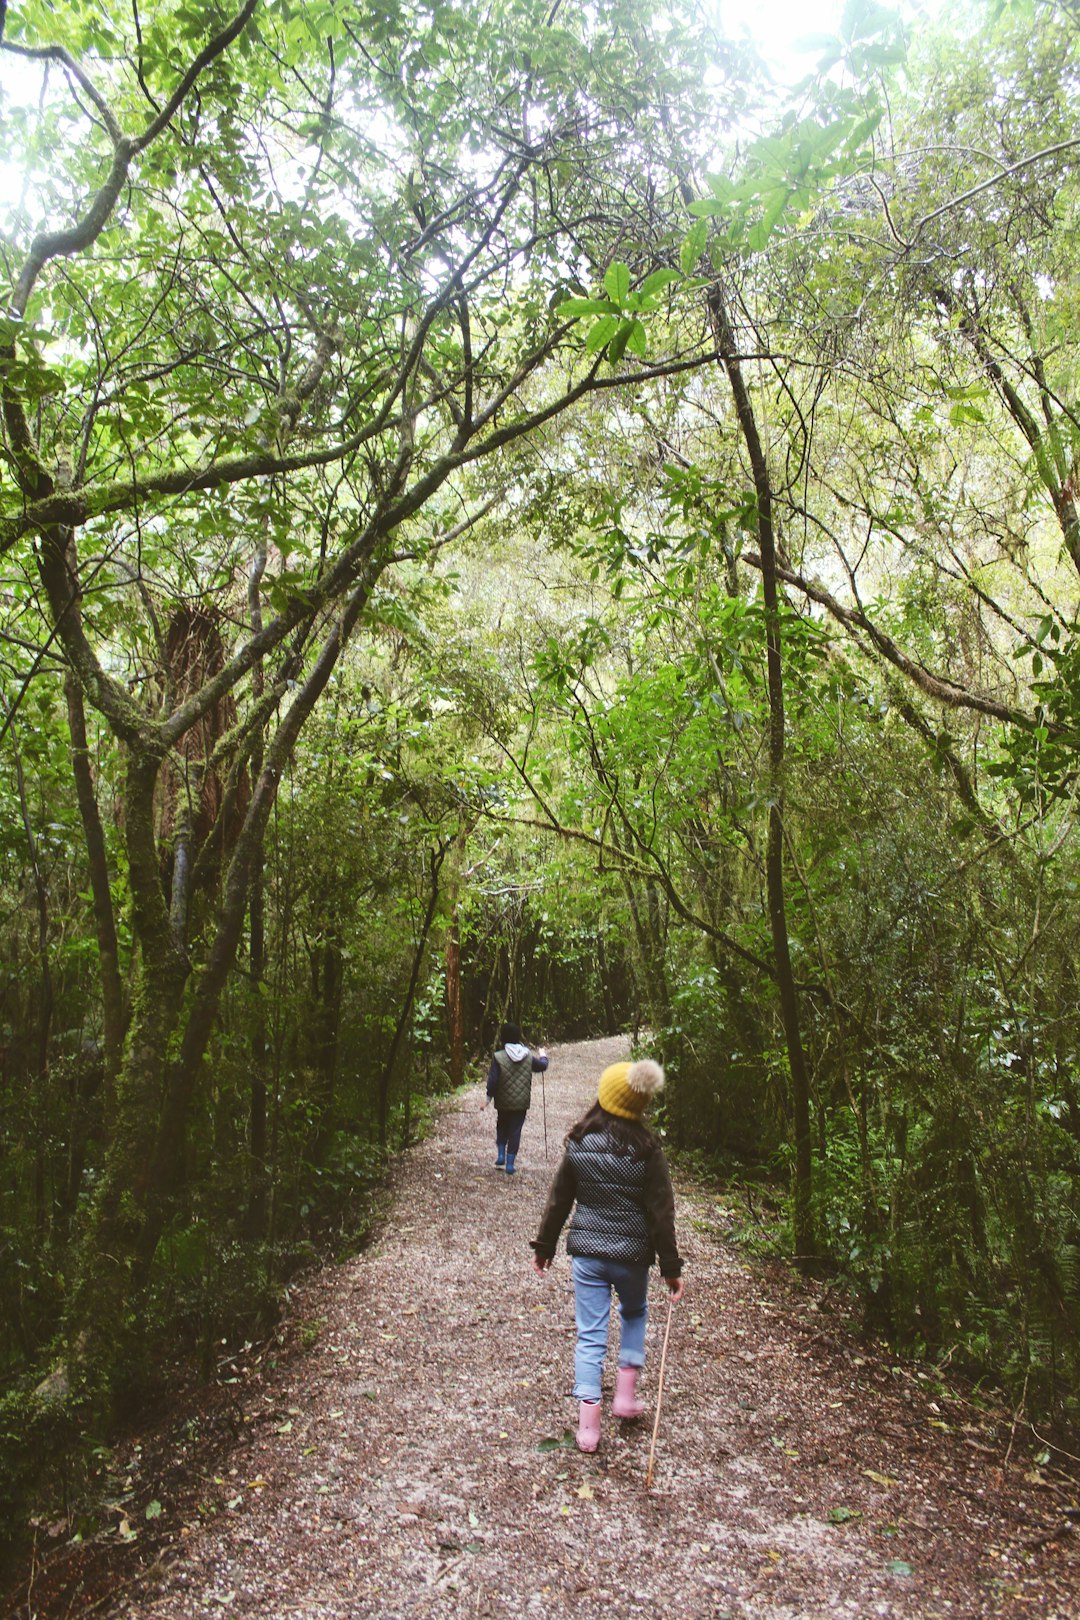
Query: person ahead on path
pixel 615 1177
pixel 509 1086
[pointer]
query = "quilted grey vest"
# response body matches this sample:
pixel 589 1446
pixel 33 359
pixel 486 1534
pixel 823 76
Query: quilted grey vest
pixel 513 1089
pixel 609 1220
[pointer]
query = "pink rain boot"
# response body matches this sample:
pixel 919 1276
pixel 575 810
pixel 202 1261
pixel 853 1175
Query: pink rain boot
pixel 588 1425
pixel 626 1403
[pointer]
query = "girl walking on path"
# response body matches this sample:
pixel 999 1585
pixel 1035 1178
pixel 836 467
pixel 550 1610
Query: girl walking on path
pixel 509 1086
pixel 615 1176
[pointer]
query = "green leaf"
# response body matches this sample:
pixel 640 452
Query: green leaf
pixel 886 55
pixel 586 306
pixel 863 19
pixel 963 412
pixel 693 246
pixel 565 1442
pixel 827 139
pixel 635 342
pixel 619 342
pixel 721 187
pixel 842 1515
pixel 899 1566
pixel 658 281
pixel 601 334
pixel 863 130
pixel 759 234
pixel 617 282
pixel 153 1510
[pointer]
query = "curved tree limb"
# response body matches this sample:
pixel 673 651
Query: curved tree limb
pixel 934 686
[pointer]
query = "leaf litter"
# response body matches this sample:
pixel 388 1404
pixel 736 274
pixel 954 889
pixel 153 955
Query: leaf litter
pixel 448 1484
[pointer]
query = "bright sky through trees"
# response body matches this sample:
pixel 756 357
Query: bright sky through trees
pixel 777 27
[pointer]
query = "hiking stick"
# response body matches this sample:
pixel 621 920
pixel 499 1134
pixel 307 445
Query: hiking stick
pixel 659 1395
pixel 543 1100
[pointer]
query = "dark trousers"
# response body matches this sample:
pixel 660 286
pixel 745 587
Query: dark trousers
pixel 508 1123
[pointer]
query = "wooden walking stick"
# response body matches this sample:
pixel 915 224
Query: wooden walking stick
pixel 659 1394
pixel 543 1101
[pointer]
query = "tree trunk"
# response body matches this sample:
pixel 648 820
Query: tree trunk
pixel 805 1240
pixel 256 1212
pixel 38 1119
pixel 112 990
pixel 650 953
pixel 437 856
pixel 183 1072
pixel 327 984
pixel 159 1074
pixel 454 1004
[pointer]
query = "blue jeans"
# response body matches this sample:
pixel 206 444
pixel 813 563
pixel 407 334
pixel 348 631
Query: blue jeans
pixel 508 1123
pixel 593 1282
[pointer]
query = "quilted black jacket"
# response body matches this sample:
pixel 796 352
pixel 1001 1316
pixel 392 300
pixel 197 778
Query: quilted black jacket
pixel 624 1208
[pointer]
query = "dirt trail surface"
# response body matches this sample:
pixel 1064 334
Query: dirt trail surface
pixel 405 1465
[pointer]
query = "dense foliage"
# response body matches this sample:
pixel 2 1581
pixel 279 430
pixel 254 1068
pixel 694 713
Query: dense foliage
pixel 499 517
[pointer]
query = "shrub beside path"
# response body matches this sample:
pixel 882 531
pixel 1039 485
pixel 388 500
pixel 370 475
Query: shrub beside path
pixel 414 1461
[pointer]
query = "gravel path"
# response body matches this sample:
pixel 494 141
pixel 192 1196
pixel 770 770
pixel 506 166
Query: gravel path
pixel 414 1461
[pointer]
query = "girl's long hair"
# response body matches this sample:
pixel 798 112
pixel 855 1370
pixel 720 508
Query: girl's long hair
pixel 632 1135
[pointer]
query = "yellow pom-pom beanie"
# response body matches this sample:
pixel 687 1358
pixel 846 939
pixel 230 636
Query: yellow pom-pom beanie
pixel 625 1088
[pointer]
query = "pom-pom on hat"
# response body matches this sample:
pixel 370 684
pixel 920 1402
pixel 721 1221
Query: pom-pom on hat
pixel 625 1088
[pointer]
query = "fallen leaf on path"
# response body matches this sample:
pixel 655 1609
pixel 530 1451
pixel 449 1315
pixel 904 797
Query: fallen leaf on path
pixel 585 1491
pixel 549 1443
pixel 880 1479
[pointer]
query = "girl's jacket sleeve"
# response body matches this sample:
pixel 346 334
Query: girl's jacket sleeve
pixel 660 1213
pixel 560 1203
